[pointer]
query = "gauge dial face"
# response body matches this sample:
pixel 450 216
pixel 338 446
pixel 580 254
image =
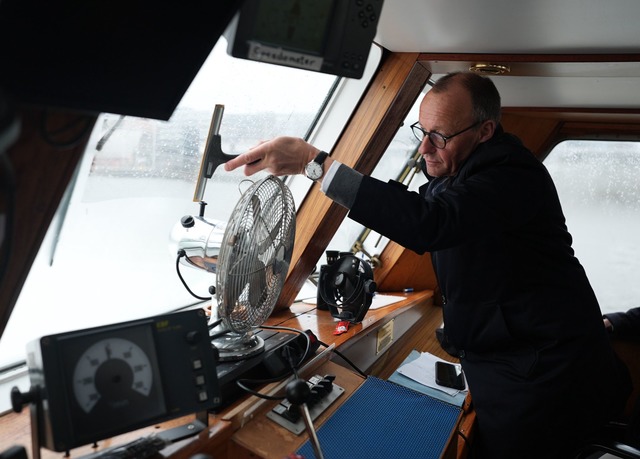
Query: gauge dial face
pixel 111 369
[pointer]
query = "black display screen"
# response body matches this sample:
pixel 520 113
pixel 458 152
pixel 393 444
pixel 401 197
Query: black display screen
pixel 294 24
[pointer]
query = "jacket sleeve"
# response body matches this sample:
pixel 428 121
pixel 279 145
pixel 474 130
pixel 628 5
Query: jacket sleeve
pixel 496 192
pixel 625 324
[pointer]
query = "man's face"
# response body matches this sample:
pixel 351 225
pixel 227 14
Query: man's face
pixel 448 113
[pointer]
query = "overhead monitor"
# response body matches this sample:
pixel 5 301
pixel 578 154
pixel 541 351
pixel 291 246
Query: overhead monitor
pixel 328 36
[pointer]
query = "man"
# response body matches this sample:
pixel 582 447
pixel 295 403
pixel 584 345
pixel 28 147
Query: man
pixel 518 307
pixel 623 324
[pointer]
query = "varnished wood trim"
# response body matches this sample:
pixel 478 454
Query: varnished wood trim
pixel 533 58
pixel 568 111
pixel 582 129
pixel 537 134
pixel 401 268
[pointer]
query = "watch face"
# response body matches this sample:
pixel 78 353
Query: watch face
pixel 314 170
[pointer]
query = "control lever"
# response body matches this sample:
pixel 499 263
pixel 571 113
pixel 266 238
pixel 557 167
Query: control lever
pixel 327 382
pixel 298 392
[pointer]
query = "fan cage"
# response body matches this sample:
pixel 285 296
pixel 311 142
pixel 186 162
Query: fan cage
pixel 255 254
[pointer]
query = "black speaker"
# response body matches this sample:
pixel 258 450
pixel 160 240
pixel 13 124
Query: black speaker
pixel 345 286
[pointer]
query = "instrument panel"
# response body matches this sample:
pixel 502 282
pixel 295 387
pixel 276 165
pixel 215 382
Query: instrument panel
pixel 101 382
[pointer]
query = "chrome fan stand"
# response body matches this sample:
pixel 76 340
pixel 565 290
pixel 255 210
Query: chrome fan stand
pixel 233 346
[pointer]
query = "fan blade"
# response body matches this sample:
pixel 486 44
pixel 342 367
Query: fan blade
pixel 258 284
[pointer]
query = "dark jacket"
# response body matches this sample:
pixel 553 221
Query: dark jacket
pixel 517 303
pixel 625 324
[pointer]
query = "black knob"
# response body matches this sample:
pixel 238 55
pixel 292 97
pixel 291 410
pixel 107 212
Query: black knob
pixel 187 221
pixel 298 392
pixel 193 336
pixel 318 391
pixel 327 382
pixel 19 399
pixel 370 286
pixel 314 396
pixel 327 385
pixel 292 413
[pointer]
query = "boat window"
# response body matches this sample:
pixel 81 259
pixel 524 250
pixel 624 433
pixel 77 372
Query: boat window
pixel 399 162
pixel 107 256
pixel 600 193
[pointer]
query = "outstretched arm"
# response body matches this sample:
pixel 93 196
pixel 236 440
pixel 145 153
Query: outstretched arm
pixel 279 156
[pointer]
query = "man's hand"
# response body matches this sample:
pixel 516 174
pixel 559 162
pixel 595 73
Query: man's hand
pixel 279 156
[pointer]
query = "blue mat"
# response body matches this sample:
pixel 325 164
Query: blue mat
pixel 384 420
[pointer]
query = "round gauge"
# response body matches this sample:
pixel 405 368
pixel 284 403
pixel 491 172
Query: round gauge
pixel 112 370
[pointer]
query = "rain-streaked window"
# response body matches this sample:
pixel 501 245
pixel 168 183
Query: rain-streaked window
pixel 599 187
pixel 107 256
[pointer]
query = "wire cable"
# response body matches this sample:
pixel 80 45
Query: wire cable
pixel 287 352
pixel 214 324
pixel 341 355
pixel 182 253
pixel 295 330
pixel 241 383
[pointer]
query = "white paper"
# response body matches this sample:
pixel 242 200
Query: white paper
pixel 380 300
pixel 423 370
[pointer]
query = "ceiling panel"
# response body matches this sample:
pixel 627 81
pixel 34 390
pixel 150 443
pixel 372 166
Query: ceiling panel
pixel 577 53
pixel 508 26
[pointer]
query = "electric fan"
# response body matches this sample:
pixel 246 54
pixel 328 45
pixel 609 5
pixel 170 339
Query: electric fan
pixel 346 287
pixel 251 262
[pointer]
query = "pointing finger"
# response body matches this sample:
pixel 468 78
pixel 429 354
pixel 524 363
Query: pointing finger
pixel 239 161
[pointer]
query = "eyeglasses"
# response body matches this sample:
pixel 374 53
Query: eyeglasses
pixel 437 140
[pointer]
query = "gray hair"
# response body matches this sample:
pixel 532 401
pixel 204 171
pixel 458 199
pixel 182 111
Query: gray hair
pixel 485 97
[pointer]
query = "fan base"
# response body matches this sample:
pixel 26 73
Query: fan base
pixel 233 346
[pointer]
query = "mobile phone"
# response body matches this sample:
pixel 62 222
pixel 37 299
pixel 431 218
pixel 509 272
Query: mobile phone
pixel 449 375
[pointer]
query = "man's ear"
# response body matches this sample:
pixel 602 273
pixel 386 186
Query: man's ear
pixel 487 128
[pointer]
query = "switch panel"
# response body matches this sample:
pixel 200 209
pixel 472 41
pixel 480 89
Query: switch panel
pixel 323 393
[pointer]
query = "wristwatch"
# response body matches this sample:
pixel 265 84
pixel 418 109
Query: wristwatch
pixel 314 170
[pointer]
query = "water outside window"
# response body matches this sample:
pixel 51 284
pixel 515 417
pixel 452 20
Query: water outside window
pixel 600 193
